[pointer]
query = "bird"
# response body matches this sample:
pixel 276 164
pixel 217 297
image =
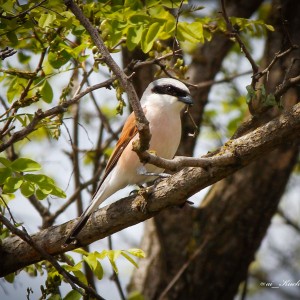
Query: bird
pixel 162 103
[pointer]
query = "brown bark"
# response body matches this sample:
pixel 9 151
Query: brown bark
pixel 227 229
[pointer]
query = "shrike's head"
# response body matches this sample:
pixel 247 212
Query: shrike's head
pixel 167 92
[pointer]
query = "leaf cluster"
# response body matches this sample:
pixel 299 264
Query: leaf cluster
pixel 15 176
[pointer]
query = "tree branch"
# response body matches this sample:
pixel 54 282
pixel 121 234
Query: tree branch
pixel 40 115
pixel 236 35
pixel 141 121
pixel 15 253
pixel 23 13
pixel 6 52
pixel 287 84
pixel 277 56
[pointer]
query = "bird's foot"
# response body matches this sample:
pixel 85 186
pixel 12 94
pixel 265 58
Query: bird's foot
pixel 136 191
pixel 143 171
pixel 186 202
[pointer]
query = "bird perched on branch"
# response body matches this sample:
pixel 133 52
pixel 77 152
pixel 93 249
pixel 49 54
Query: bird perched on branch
pixel 162 102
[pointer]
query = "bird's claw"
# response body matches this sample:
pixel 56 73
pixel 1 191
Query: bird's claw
pixel 143 171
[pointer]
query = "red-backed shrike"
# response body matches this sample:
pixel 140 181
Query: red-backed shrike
pixel 162 102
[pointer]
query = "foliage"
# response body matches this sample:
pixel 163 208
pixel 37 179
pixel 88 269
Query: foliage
pixel 14 176
pixel 93 259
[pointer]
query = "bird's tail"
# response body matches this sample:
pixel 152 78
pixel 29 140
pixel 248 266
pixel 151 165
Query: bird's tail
pixel 71 237
pixel 103 192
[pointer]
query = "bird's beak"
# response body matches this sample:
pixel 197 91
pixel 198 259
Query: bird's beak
pixel 187 100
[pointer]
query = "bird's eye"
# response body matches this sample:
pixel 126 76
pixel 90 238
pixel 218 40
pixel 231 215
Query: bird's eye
pixel 169 90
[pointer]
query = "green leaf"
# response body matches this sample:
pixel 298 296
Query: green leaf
pixel 5 198
pixel 99 271
pixel 270 100
pixel 129 259
pixel 23 121
pixel 12 184
pixel 81 251
pixel 46 185
pixel 91 260
pixel 191 32
pixel 5 162
pixel 150 3
pixel 101 255
pixel 10 277
pixel 4 174
pixel 23 58
pixel 27 189
pixel 12 38
pixel 25 165
pixel 45 188
pixel 54 297
pixel 134 36
pixel 46 92
pixel 13 89
pixel 58 59
pixel 94 264
pixel 137 252
pixel 76 270
pixel 251 93
pixel 270 27
pixel 139 19
pixel 40 195
pixel 73 295
pixel 150 35
pixel 46 19
pixel 112 256
pixel 135 296
pixel 56 191
pixel 8 6
pixel 39 179
pixel 171 3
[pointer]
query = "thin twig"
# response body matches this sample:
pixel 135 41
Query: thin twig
pixel 138 64
pixel 288 220
pixel 115 276
pixel 281 89
pixel 102 117
pixel 37 204
pixel 277 56
pixel 25 92
pixel 234 33
pixel 181 271
pixel 23 13
pixel 40 115
pixel 6 52
pixel 208 83
pixel 175 41
pixel 73 197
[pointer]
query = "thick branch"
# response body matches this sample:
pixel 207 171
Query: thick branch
pixel 15 253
